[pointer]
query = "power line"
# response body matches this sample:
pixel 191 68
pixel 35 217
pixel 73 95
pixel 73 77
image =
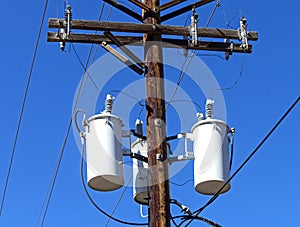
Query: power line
pixel 130 96
pixel 197 212
pixel 180 185
pixel 217 5
pixel 91 49
pixel 142 105
pixel 183 100
pixel 49 192
pixel 238 78
pixel 47 198
pixel 173 220
pixel 225 17
pixel 188 217
pixel 188 60
pixel 84 66
pixel 23 107
pixel 53 180
pixel 119 200
pixel 187 63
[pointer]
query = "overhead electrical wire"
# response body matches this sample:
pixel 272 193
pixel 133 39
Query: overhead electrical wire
pixel 225 17
pixel 49 192
pixel 23 108
pixel 183 100
pixel 238 78
pixel 215 196
pixel 56 7
pixel 244 57
pixel 91 49
pixel 180 185
pixel 189 59
pixel 130 96
pixel 134 98
pixel 119 200
pixel 188 217
pixel 185 66
pixel 173 220
pixel 217 5
pixel 84 66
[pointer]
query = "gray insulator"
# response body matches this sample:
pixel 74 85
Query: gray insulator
pixel 209 108
pixel 109 103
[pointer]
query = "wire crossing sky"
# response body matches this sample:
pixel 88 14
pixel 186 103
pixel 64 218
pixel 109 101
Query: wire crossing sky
pixel 23 108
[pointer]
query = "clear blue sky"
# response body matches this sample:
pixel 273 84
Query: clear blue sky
pixel 264 193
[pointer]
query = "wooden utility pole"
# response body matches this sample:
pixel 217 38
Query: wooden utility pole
pixel 152 67
pixel 158 172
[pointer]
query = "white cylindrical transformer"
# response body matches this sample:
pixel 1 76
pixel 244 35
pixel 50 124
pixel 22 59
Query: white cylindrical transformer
pixel 104 154
pixel 211 164
pixel 140 173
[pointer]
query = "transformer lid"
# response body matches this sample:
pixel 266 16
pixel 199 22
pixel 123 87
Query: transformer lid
pixel 142 198
pixel 103 116
pixel 209 121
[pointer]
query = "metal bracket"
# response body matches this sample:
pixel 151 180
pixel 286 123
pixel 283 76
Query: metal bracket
pixel 179 158
pixel 139 157
pixel 138 135
pixel 178 136
pixel 187 137
pixel 128 52
pixel 122 58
